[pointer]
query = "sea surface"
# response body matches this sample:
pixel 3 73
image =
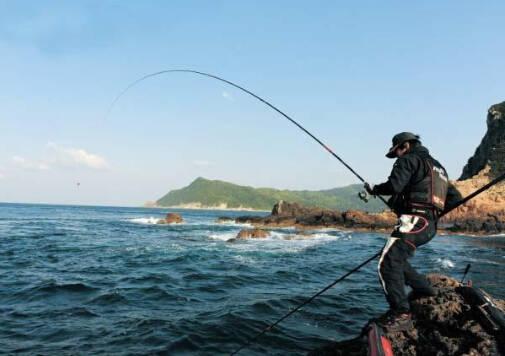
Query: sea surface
pixel 77 280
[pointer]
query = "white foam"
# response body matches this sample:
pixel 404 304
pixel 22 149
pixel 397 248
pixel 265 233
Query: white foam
pixel 244 260
pixel 445 262
pixel 278 241
pixel 232 223
pixel 146 221
pixel 149 221
pixel 224 236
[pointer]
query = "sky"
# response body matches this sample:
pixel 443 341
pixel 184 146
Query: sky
pixel 353 73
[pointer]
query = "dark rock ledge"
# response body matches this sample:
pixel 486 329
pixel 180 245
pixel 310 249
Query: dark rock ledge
pixel 450 323
pixel 285 214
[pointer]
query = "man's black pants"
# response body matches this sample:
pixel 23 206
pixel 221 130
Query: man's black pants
pixel 394 269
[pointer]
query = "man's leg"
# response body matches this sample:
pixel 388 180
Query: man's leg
pixel 418 281
pixel 394 269
pixel 391 274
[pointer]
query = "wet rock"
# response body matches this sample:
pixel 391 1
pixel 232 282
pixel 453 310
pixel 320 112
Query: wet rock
pixel 286 209
pixel 171 218
pixel 224 219
pixel 293 214
pixel 357 218
pixel 252 234
pixel 449 323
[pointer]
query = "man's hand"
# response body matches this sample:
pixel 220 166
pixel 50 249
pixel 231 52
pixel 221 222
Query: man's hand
pixel 369 189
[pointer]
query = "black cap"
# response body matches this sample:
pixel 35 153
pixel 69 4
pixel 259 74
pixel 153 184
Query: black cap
pixel 399 139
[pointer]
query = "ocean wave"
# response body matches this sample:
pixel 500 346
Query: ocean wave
pixel 151 221
pixel 145 221
pixel 53 287
pixel 226 236
pixel 232 223
pixel 445 263
pixel 279 236
pixel 109 299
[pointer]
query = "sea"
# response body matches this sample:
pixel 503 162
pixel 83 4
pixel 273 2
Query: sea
pixel 83 280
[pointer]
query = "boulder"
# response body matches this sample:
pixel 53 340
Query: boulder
pixel 252 234
pixel 285 209
pixel 171 218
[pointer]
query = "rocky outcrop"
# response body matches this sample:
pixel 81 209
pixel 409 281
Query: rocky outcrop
pixel 293 214
pixel 483 214
pixel 491 151
pixel 450 323
pixel 486 212
pixel 286 209
pixel 171 218
pixel 252 234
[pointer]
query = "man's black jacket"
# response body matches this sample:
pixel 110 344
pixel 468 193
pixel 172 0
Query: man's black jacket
pixel 407 171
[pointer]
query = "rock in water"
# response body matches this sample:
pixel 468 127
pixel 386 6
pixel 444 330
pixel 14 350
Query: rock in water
pixel 450 323
pixel 171 218
pixel 252 234
pixel 286 209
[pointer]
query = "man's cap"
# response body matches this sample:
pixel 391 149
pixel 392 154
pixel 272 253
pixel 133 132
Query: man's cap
pixel 398 140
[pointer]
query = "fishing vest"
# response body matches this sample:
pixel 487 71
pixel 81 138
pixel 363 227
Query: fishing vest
pixel 430 191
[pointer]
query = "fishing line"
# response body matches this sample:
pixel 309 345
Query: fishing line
pixel 208 75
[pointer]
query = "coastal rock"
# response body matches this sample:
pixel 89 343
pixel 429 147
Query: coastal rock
pixel 286 209
pixel 171 218
pixel 449 323
pixel 483 214
pixel 224 219
pixel 252 234
pixel 293 214
pixel 357 218
pixel 491 151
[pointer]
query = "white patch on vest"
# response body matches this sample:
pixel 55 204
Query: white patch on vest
pixel 407 222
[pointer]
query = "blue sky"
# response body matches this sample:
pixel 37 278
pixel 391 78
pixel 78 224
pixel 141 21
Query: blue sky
pixel 354 73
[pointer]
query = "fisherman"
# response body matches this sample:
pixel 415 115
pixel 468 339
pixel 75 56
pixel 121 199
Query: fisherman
pixel 418 186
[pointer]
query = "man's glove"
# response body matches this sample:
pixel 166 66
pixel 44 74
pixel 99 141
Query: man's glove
pixel 369 189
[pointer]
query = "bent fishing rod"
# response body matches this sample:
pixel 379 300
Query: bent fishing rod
pixel 208 75
pixel 443 213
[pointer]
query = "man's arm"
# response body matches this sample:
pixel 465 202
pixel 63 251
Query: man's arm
pixel 400 176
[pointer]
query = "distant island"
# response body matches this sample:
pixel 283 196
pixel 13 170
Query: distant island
pixel 215 194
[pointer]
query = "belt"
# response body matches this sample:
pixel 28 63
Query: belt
pixel 432 213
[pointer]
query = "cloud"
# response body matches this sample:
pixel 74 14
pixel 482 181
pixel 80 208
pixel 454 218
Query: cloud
pixel 29 164
pixel 77 156
pixel 202 163
pixel 227 95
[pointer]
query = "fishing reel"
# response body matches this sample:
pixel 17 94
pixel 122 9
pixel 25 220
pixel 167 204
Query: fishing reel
pixel 363 195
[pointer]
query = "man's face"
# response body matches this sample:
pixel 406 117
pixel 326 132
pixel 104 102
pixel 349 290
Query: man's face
pixel 402 149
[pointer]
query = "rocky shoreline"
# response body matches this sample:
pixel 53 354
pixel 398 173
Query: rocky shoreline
pixel 286 214
pixel 454 322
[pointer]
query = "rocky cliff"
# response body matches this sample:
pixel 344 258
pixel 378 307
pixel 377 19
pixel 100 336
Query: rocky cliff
pixel 491 151
pixel 486 212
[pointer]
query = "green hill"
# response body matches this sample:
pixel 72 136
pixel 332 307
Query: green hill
pixel 214 193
